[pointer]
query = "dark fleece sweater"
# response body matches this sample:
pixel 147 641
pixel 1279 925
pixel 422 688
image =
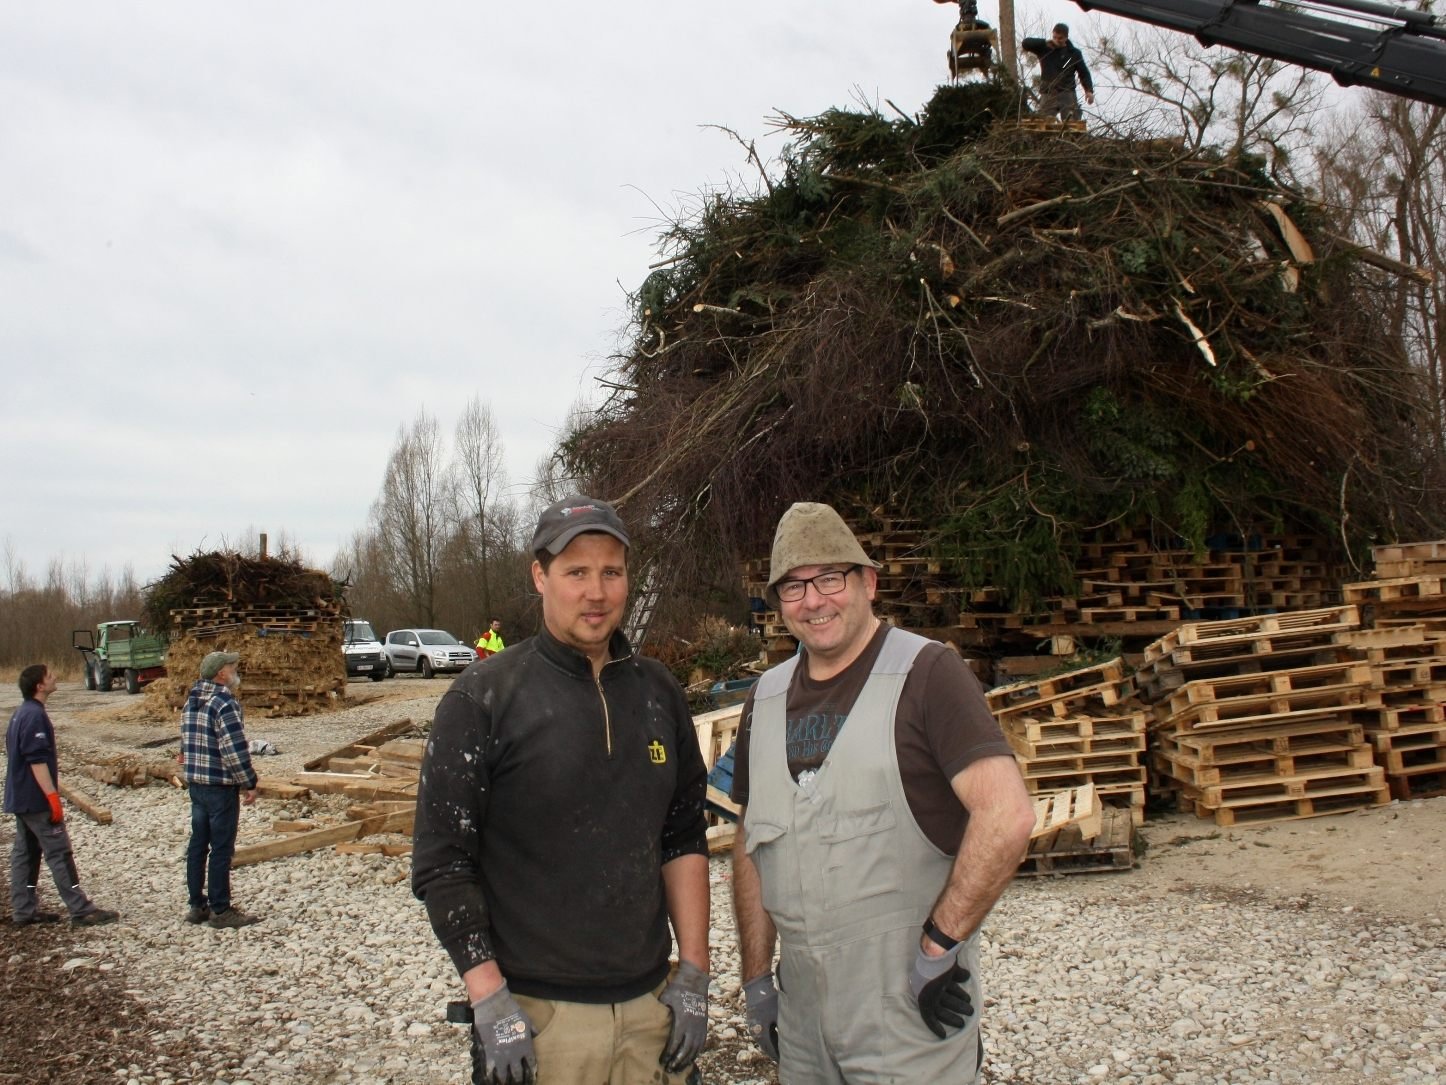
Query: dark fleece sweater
pixel 548 804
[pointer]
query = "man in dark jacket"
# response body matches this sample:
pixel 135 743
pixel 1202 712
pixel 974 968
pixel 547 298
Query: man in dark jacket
pixel 560 829
pixel 32 794
pixel 1060 64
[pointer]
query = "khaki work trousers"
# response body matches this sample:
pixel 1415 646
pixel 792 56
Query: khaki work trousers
pixel 579 1043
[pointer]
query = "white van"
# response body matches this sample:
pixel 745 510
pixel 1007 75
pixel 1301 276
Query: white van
pixel 363 651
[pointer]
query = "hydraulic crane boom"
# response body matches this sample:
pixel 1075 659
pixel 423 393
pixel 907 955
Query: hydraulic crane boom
pixel 1384 46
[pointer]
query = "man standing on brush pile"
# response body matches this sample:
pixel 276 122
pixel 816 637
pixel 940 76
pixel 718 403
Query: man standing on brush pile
pixel 1059 65
pixel 560 828
pixel 883 816
pixel 32 783
pixel 217 763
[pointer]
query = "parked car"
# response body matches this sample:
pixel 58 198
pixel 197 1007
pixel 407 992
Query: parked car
pixel 427 651
pixel 362 650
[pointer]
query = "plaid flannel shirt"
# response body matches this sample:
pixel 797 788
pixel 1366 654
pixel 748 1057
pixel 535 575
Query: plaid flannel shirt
pixel 214 749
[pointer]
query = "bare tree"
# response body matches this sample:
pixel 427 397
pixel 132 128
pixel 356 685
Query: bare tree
pixel 1212 95
pixel 410 515
pixel 479 484
pixel 1384 168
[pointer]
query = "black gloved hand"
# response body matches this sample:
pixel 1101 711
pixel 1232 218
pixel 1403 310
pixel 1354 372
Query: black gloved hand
pixel 762 998
pixel 938 986
pixel 686 996
pixel 505 1034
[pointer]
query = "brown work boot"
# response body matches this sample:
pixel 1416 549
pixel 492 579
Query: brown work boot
pixel 199 914
pixel 38 917
pixel 99 917
pixel 233 917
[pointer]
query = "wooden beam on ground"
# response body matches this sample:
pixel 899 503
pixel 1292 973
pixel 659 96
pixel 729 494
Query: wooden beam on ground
pixel 408 752
pixel 293 826
pixel 374 847
pixel 330 783
pixel 396 790
pixel 83 802
pixel 371 742
pixel 268 788
pixel 299 843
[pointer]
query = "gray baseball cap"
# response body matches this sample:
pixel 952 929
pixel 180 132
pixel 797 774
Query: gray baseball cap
pixel 214 661
pixel 812 534
pixel 565 520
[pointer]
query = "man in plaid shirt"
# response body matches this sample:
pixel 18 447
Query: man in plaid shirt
pixel 217 763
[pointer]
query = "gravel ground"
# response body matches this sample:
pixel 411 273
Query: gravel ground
pixel 1145 977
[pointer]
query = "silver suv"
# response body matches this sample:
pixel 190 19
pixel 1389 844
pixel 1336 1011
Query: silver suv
pixel 426 651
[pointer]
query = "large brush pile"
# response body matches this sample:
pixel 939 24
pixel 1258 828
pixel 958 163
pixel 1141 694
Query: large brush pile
pixel 282 618
pixel 1021 340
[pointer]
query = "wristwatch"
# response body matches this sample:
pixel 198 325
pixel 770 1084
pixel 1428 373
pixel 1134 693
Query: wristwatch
pixel 938 937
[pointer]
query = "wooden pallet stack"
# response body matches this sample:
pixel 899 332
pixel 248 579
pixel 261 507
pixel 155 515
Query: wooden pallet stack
pixel 1127 587
pixel 1074 833
pixel 1131 588
pixel 291 658
pixel 1255 717
pixel 1076 728
pixel 1403 716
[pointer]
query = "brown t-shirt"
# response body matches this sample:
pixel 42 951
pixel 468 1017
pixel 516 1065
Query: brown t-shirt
pixel 943 724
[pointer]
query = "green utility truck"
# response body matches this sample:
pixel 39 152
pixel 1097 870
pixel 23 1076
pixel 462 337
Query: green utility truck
pixel 120 650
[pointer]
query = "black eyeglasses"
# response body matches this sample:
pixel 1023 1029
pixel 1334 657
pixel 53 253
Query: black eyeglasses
pixel 791 591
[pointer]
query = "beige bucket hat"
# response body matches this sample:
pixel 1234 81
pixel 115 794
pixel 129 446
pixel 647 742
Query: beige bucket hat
pixel 812 534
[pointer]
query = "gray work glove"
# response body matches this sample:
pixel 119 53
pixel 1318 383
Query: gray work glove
pixel 938 987
pixel 505 1034
pixel 762 998
pixel 687 997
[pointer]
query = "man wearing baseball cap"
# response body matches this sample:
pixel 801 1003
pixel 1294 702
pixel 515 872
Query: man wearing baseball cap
pixel 560 832
pixel 883 816
pixel 216 759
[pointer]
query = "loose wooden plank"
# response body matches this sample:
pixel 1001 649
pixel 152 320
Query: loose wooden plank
pixel 399 821
pixel 371 742
pixel 299 843
pixel 99 814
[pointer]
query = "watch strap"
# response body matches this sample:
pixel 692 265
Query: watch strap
pixel 938 937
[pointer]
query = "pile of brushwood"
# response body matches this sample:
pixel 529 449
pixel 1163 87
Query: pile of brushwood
pixel 225 578
pixel 1022 339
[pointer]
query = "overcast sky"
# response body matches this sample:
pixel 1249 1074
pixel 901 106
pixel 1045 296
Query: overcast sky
pixel 242 244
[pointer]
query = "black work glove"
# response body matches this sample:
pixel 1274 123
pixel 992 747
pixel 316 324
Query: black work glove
pixel 686 997
pixel 505 1034
pixel 938 986
pixel 762 998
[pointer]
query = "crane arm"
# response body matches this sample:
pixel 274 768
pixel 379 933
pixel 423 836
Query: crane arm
pixel 1384 46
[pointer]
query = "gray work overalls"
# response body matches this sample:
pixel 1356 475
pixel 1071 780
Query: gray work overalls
pixel 848 878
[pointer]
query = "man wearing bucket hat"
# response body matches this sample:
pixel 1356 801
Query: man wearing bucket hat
pixel 216 759
pixel 883 816
pixel 560 830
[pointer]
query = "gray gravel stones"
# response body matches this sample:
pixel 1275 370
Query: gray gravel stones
pixel 1088 979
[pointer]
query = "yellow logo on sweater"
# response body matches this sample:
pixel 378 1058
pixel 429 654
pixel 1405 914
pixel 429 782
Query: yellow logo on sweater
pixel 657 753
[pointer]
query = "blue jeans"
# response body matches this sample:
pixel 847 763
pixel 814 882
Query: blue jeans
pixel 215 812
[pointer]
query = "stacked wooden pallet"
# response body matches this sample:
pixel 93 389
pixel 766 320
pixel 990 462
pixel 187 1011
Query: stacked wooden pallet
pixel 1078 727
pixel 291 658
pixel 1255 717
pixel 1133 589
pixel 1403 715
pixel 1075 834
pixel 1127 587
